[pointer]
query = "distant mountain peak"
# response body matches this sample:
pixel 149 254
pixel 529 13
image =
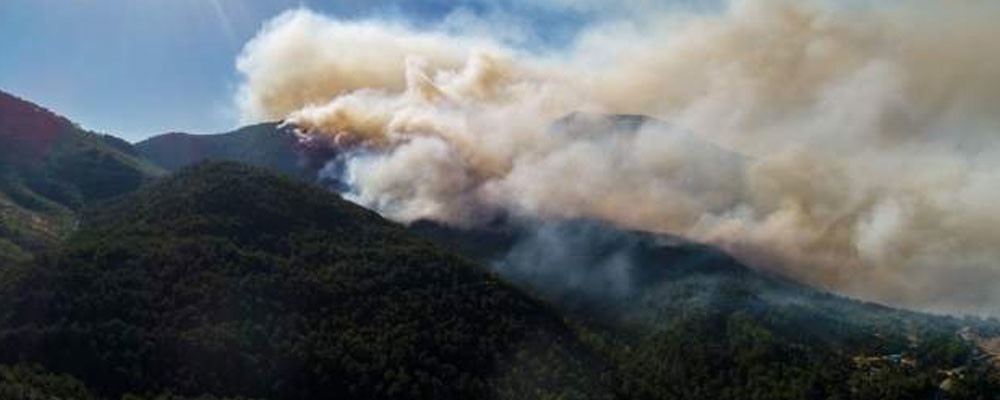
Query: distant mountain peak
pixel 272 145
pixel 581 122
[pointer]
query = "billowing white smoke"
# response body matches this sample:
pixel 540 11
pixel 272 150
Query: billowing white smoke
pixel 853 147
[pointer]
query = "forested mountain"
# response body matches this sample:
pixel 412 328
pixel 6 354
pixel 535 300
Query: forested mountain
pixel 268 145
pixel 49 169
pixel 682 320
pixel 229 280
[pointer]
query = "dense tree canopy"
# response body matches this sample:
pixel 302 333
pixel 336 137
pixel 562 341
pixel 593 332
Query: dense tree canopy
pixel 226 281
pixel 230 281
pixel 696 323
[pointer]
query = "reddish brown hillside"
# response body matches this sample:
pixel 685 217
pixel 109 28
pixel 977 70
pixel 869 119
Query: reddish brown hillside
pixel 28 131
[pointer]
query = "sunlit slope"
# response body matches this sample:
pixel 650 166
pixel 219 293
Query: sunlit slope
pixel 49 169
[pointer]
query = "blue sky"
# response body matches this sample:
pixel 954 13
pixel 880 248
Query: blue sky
pixel 136 68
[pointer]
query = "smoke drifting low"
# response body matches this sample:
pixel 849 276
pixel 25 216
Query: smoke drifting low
pixel 853 147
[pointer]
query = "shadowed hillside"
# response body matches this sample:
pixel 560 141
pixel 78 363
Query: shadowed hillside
pixel 266 145
pixel 228 280
pixel 683 320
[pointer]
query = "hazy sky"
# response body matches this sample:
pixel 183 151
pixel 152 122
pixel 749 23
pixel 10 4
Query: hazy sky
pixel 136 68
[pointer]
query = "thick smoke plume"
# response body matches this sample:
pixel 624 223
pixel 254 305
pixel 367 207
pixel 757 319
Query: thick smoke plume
pixel 850 146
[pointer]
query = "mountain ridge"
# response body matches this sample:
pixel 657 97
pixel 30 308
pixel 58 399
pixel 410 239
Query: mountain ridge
pixel 271 145
pixel 50 169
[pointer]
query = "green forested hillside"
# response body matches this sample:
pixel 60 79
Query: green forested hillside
pixel 226 281
pixel 230 281
pixel 681 320
pixel 49 169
